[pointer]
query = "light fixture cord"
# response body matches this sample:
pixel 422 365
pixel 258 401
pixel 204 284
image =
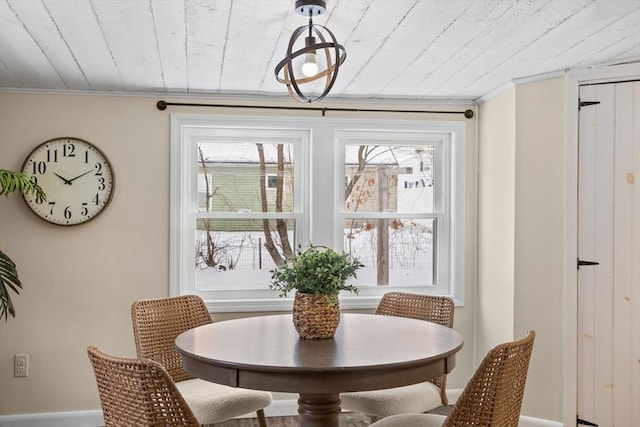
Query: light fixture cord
pixel 310 21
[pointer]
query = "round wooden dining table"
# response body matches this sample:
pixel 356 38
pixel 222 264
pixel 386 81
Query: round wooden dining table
pixel 368 352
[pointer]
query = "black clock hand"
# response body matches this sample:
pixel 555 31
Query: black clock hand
pixel 66 181
pixel 73 179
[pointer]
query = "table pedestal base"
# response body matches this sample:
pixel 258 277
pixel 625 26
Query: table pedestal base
pixel 319 410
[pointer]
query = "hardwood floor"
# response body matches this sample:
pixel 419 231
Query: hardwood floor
pixel 347 419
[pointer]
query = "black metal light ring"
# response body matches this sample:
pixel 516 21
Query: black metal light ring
pixel 287 59
pixel 330 72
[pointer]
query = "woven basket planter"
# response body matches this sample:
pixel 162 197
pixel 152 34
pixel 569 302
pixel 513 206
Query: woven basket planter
pixel 313 317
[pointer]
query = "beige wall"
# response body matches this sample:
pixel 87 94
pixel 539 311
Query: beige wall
pixel 522 231
pixel 541 231
pixel 496 229
pixel 79 282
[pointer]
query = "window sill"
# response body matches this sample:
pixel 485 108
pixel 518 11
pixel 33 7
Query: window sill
pixel 256 305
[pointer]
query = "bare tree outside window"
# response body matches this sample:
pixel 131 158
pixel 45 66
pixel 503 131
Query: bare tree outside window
pixel 206 251
pixel 281 227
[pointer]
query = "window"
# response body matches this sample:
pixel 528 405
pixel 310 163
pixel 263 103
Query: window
pixel 246 192
pixel 242 230
pixel 392 228
pixel 272 181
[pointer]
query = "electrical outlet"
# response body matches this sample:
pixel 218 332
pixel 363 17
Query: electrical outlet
pixel 21 365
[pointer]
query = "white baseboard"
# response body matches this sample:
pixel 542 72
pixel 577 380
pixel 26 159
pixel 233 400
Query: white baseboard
pixel 537 422
pixel 54 419
pixel 278 408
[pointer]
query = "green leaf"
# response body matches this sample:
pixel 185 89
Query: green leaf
pixel 11 181
pixel 8 281
pixel 317 270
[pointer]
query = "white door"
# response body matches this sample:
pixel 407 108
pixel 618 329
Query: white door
pixel 609 234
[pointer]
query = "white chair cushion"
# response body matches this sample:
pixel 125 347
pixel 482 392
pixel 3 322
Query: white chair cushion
pixel 411 420
pixel 411 399
pixel 213 403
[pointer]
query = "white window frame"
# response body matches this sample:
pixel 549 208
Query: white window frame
pixel 321 206
pixel 448 205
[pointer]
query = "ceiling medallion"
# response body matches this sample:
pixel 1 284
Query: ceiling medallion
pixel 318 56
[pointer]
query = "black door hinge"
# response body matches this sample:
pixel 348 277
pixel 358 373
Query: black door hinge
pixel 580 421
pixel 586 103
pixel 581 262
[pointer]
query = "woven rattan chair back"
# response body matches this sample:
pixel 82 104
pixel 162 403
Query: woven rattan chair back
pixel 493 396
pixel 157 323
pixel 436 309
pixel 138 392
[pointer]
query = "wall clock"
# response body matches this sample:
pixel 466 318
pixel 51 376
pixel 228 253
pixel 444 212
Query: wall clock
pixel 76 177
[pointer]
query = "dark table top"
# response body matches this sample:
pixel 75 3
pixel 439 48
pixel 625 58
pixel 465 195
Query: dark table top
pixel 367 352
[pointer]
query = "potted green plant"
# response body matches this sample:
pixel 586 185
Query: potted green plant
pixel 9 182
pixel 317 275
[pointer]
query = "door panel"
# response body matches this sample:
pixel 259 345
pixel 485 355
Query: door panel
pixel 609 233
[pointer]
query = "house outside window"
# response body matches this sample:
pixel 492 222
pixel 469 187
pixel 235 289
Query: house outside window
pixel 247 192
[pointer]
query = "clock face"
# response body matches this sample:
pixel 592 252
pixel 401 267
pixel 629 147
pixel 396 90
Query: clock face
pixel 76 177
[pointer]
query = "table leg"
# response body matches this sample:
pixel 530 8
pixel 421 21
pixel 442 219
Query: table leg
pixel 319 410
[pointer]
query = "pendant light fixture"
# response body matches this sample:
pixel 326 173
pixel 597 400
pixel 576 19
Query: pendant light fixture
pixel 315 56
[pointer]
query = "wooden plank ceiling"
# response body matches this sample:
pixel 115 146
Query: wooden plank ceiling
pixel 396 49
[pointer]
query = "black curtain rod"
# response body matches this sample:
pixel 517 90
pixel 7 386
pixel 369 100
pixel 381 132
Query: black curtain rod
pixel 162 105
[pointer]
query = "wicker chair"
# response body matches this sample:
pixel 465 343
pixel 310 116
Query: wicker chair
pixel 493 396
pixel 138 392
pixel 415 398
pixel 156 324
